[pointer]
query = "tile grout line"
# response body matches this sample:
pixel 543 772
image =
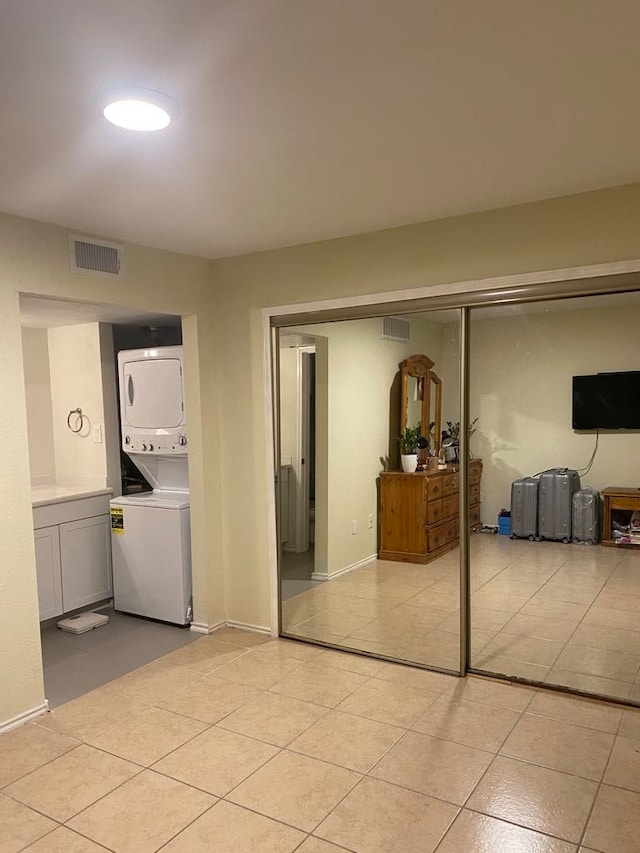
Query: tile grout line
pixel 600 784
pixel 512 822
pixel 496 754
pixel 64 823
pixel 190 823
pixel 44 764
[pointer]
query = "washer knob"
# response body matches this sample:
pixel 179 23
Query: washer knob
pixel 144 446
pixel 182 440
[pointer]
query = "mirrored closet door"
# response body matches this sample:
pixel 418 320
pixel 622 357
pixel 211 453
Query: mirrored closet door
pixel 369 555
pixel 555 596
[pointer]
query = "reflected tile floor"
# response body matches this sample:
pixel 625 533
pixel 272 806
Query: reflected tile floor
pixel 195 752
pixel 76 663
pixel 562 614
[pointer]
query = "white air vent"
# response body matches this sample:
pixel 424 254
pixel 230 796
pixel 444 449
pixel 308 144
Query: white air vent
pixel 395 329
pixel 94 256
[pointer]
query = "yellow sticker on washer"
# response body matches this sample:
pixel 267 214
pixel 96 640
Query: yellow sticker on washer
pixel 117 519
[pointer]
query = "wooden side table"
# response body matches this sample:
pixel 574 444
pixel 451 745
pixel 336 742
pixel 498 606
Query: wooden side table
pixel 618 499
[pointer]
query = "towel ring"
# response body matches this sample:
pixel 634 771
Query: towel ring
pixel 80 420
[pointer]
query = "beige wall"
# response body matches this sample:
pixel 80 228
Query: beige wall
pixel 20 659
pixel 37 383
pixel 290 435
pixel 521 370
pixel 289 402
pixel 362 416
pixel 76 382
pixel 80 359
pixel 111 421
pixel 449 373
pixel 221 303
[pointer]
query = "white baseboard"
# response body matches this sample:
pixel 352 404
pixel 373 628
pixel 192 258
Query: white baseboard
pixel 246 626
pixel 317 576
pixel 21 719
pixel 203 628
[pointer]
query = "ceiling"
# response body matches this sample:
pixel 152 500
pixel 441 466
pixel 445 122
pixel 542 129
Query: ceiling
pixel 39 312
pixel 302 120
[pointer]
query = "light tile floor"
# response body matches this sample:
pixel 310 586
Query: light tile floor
pixel 236 744
pixel 562 614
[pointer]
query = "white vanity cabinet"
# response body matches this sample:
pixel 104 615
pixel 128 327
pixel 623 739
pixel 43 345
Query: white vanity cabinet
pixel 85 561
pixel 73 552
pixel 48 571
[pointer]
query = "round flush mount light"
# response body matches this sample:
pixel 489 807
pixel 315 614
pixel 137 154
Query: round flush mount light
pixel 139 109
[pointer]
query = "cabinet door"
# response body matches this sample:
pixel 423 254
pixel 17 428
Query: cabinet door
pixel 47 541
pixel 85 555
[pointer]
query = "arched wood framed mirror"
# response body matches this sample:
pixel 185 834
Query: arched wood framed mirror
pixel 421 398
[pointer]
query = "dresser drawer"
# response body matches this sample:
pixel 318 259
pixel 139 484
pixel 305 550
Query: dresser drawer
pixel 475 472
pixel 474 493
pixel 442 534
pixel 434 512
pixel 474 516
pixel 441 510
pixel 450 484
pixel 434 488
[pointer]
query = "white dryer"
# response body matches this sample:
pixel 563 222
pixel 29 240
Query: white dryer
pixel 150 533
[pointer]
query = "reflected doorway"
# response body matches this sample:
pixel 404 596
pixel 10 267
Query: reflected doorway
pixel 297 464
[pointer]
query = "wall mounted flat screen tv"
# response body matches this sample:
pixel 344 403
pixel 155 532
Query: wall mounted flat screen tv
pixel 606 401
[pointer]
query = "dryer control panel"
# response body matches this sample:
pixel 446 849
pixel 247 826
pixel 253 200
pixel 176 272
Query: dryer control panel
pixel 162 445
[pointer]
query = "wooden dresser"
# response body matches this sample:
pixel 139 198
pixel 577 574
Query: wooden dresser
pixel 419 513
pixel 620 502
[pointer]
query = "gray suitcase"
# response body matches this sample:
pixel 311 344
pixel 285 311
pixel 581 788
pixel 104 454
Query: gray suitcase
pixel 585 516
pixel 524 508
pixel 555 496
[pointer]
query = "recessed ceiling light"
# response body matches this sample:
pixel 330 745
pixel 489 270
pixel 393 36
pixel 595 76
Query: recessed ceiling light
pixel 139 109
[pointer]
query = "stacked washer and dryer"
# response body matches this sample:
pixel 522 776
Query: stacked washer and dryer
pixel 150 532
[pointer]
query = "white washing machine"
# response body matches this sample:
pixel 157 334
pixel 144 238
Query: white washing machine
pixel 150 533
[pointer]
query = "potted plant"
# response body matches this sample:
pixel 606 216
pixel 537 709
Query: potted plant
pixel 453 433
pixel 409 444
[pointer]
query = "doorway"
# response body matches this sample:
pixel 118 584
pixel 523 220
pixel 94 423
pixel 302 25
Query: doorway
pixel 70 352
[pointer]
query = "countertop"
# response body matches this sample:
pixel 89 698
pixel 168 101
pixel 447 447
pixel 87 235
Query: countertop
pixel 54 494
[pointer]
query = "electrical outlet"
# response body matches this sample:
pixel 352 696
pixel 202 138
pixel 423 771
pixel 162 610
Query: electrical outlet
pixel 354 527
pixel 97 434
pixel 370 520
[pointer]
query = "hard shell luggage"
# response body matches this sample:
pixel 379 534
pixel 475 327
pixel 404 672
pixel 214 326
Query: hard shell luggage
pixel 555 496
pixel 524 508
pixel 585 516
